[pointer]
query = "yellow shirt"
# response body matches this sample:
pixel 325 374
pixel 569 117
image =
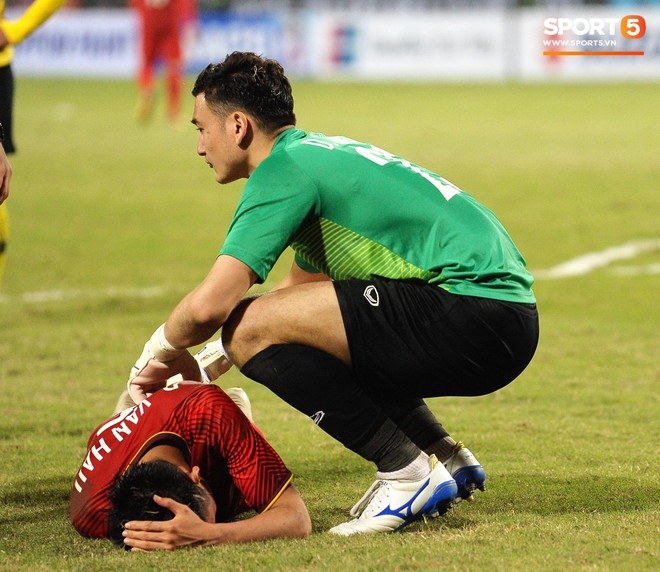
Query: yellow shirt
pixel 17 30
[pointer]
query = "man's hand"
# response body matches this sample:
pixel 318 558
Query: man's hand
pixel 158 362
pixel 154 375
pixel 185 529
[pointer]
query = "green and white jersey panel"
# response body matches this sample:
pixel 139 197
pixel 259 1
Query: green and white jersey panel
pixel 352 210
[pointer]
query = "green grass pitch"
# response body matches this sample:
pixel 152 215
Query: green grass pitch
pixel 112 222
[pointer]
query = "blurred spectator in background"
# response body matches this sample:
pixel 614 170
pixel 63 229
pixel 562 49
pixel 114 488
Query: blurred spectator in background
pixel 13 32
pixel 163 26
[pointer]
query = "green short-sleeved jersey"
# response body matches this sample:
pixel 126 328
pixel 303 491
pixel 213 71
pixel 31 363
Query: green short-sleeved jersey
pixel 352 210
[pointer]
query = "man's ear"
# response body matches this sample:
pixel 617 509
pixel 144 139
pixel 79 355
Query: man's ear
pixel 195 475
pixel 241 128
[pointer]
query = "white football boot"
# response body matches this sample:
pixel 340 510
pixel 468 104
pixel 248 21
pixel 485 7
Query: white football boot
pixel 391 505
pixel 466 471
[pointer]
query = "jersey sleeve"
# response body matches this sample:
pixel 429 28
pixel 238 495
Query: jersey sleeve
pixel 36 14
pixel 257 470
pixel 277 200
pixel 241 467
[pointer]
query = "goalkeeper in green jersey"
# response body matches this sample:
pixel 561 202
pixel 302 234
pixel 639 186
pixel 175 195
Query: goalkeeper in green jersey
pixel 403 287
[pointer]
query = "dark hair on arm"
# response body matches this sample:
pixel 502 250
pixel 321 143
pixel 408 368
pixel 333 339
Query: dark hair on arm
pixel 252 83
pixel 132 496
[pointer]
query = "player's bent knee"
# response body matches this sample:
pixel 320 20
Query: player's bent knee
pixel 243 333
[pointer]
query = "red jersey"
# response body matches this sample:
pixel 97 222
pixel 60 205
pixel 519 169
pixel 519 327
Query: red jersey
pixel 240 467
pixel 166 12
pixel 162 24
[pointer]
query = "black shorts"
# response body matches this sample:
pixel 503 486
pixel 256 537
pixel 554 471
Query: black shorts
pixel 416 340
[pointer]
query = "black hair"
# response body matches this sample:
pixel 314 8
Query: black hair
pixel 252 83
pixel 132 496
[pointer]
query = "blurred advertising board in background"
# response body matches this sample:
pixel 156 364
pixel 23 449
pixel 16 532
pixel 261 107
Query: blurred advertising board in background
pixel 525 44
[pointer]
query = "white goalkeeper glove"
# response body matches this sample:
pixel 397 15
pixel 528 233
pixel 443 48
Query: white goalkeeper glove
pixel 212 360
pixel 159 349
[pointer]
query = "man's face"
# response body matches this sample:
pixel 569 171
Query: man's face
pixel 219 142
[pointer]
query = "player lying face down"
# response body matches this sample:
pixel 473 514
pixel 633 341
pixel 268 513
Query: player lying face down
pixel 176 469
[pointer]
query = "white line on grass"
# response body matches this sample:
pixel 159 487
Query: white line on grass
pixel 593 260
pixel 78 294
pixel 60 295
pixel 637 270
pixel 578 266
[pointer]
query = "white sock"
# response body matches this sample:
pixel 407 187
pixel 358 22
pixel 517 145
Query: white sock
pixel 415 471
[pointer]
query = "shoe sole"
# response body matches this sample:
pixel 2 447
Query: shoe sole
pixel 438 504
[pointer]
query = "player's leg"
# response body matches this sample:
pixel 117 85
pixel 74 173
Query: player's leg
pixel 6 116
pixel 146 74
pixel 431 343
pixel 174 80
pixel 419 423
pixel 310 315
pixel 306 314
pixel 410 483
pixel 7 107
pixel 173 75
pixel 293 341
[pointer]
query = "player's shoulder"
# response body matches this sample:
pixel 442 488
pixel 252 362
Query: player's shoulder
pixel 204 391
pixel 183 391
pixel 287 165
pixel 196 400
pixel 298 151
pixel 194 387
pixel 294 142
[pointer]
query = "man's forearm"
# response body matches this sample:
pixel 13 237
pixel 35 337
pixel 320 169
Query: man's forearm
pixel 287 519
pixel 204 310
pixel 35 15
pixel 183 330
